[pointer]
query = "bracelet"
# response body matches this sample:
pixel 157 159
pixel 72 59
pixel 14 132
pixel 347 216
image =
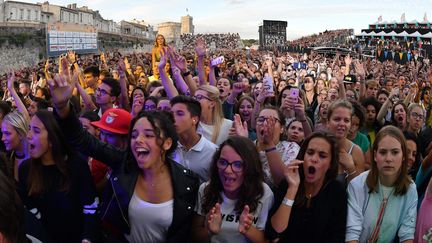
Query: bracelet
pixel 288 202
pixel 270 150
pixel 187 73
pixel 350 174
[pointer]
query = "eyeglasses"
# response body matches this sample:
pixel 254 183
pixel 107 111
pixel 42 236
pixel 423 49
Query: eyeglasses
pixel 236 166
pixel 149 107
pixel 260 120
pixel 102 91
pixel 199 97
pixel 417 116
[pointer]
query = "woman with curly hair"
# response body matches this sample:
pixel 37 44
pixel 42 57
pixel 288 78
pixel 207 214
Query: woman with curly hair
pixel 233 206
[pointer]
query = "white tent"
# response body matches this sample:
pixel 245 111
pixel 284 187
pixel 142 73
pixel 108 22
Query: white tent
pixel 392 33
pixel 402 34
pixel 381 33
pixel 415 34
pixel 428 35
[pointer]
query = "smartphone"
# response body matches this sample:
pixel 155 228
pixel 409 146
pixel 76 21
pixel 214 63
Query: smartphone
pixel 268 84
pixel 217 61
pixel 294 93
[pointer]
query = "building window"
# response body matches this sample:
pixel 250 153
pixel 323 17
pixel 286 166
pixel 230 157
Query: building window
pixel 61 15
pixel 81 17
pixel 36 15
pixel 21 14
pixel 28 14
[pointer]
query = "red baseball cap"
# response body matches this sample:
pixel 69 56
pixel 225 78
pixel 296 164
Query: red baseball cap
pixel 114 120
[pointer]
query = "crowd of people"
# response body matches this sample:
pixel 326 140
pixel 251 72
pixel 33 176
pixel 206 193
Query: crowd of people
pixel 176 146
pixel 228 41
pixel 338 37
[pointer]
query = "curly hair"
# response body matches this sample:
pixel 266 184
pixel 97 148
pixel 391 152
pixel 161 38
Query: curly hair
pixel 252 188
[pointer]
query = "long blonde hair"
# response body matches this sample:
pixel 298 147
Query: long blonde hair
pixel 20 124
pixel 217 114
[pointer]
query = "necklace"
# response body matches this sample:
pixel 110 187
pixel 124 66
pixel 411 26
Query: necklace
pixel 309 199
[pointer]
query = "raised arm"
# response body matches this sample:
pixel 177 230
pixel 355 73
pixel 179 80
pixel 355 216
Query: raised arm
pixel 61 90
pixel 179 68
pixel 279 220
pixel 212 75
pixel 124 101
pixel 166 82
pixel 200 49
pixel 384 108
pixel 88 102
pixel 19 104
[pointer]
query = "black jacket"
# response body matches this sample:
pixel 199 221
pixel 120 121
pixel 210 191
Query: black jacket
pixel 115 205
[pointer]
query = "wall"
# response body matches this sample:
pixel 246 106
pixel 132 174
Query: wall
pixel 22 46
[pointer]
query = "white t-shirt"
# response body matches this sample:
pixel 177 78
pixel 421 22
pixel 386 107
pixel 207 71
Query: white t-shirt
pixel 149 221
pixel 207 131
pixel 230 218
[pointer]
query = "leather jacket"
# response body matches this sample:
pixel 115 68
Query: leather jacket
pixel 114 207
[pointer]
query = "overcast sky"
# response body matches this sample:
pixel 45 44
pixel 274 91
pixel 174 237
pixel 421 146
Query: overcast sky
pixel 244 16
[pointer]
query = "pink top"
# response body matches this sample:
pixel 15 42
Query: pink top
pixel 424 220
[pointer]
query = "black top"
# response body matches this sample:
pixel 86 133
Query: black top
pixel 324 221
pixel 66 216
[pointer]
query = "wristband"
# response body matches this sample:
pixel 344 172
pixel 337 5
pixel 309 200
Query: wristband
pixel 350 174
pixel 270 150
pixel 288 202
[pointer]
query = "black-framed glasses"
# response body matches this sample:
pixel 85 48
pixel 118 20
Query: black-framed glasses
pixel 102 91
pixel 417 116
pixel 236 166
pixel 149 107
pixel 260 120
pixel 199 97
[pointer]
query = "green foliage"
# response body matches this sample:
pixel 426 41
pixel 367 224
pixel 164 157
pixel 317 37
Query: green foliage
pixel 250 42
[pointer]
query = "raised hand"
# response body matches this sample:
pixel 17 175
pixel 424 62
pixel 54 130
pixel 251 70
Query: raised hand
pixel 177 60
pixel 263 95
pixel 121 66
pixel 348 60
pixel 71 56
pixel 238 87
pixel 163 59
pixel 63 65
pixel 291 173
pixel 127 64
pixel 245 221
pixel 61 88
pixel 11 80
pixel 267 131
pixel 359 69
pixel 213 220
pixel 239 128
pixel 137 105
pixel 200 47
pixel 299 109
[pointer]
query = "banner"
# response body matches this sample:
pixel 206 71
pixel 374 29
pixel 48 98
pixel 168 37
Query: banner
pixel 62 37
